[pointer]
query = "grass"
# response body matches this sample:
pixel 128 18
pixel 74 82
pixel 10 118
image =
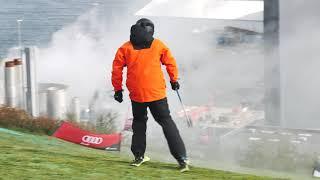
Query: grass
pixel 28 156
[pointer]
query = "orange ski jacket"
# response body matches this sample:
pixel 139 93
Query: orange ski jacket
pixel 145 79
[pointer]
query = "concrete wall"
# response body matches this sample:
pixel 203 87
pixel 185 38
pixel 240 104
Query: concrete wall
pixel 300 60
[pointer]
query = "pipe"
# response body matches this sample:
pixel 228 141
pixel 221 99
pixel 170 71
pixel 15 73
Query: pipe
pixel 10 84
pixel 273 111
pixel 31 89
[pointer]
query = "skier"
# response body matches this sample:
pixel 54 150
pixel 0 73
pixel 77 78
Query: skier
pixel 143 56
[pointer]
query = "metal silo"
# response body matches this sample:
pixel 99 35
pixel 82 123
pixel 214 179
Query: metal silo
pixel 42 100
pixel 10 84
pixel 53 97
pixel 20 93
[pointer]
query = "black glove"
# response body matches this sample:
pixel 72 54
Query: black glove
pixel 118 96
pixel 175 85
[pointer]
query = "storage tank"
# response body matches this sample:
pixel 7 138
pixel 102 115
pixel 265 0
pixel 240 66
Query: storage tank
pixel 42 100
pixel 20 94
pixel 10 84
pixel 52 100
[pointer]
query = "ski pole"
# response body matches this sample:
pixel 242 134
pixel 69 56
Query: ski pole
pixel 189 122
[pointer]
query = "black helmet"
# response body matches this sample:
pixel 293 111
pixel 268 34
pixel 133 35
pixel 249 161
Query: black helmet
pixel 147 24
pixel 142 32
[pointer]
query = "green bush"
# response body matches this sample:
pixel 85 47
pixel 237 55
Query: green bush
pixel 17 119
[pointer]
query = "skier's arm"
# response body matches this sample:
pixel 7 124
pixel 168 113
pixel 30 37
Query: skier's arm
pixel 117 68
pixel 168 60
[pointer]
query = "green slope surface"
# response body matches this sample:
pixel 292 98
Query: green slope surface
pixel 28 156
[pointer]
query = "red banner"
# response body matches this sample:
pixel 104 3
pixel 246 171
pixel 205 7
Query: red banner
pixel 71 133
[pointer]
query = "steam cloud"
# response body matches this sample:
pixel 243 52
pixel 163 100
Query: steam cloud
pixel 81 55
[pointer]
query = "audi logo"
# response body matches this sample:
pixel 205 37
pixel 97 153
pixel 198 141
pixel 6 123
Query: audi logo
pixel 92 139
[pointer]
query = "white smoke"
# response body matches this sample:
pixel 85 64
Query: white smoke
pixel 300 58
pixel 81 54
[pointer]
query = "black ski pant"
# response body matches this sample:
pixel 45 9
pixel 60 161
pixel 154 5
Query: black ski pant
pixel 160 111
